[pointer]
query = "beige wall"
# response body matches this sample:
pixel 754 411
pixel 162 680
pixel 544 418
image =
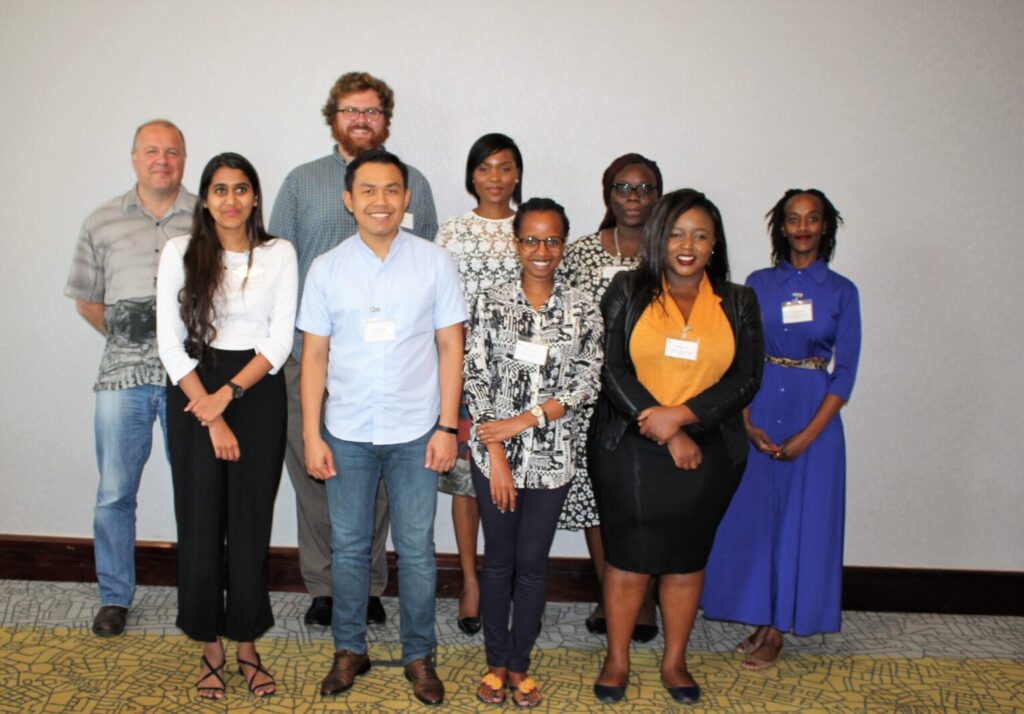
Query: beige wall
pixel 909 114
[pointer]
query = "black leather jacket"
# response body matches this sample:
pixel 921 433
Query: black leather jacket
pixel 717 407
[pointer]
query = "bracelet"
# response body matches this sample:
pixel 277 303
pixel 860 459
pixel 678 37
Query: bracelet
pixel 447 429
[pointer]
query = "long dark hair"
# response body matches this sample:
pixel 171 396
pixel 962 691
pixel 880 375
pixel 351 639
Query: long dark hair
pixel 777 220
pixel 608 178
pixel 653 264
pixel 204 269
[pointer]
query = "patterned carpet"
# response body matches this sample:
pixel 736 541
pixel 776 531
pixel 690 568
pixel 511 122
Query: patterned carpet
pixel 50 662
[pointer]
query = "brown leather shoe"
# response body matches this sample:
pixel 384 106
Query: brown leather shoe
pixel 110 621
pixel 347 666
pixel 426 685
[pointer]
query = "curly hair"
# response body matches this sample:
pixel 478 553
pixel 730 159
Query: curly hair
pixel 777 220
pixel 352 82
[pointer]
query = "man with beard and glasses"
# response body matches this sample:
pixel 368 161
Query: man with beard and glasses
pixel 113 283
pixel 309 212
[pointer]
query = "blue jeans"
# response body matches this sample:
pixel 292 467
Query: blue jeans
pixel 412 498
pixel 124 437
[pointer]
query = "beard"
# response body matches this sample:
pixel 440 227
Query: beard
pixel 354 147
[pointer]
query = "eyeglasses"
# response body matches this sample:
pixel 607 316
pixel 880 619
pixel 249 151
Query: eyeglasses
pixel 350 113
pixel 642 189
pixel 553 243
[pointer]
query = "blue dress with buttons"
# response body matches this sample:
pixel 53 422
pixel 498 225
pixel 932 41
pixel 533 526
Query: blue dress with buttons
pixel 778 555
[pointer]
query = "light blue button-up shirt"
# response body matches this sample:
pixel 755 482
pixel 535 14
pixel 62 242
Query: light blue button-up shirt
pixel 309 212
pixel 382 392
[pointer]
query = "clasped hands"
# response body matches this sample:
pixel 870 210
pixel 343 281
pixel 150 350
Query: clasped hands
pixel 663 425
pixel 501 430
pixel 209 409
pixel 789 450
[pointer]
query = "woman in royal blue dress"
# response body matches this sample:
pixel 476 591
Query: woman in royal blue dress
pixel 777 559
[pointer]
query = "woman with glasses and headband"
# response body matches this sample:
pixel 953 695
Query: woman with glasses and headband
pixel 532 373
pixel 683 356
pixel 777 564
pixel 226 300
pixel 482 247
pixel 630 186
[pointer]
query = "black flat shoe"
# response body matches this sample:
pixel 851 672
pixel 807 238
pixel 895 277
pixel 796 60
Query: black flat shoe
pixel 469 625
pixel 685 695
pixel 596 625
pixel 607 694
pixel 319 612
pixel 644 633
pixel 375 612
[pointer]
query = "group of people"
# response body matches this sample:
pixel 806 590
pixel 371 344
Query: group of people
pixel 618 384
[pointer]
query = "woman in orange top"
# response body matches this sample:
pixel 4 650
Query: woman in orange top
pixel 683 355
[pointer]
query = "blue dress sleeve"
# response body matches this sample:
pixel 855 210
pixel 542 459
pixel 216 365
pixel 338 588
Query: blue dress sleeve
pixel 847 347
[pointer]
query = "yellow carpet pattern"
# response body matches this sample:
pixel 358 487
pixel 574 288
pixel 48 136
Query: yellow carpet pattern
pixel 59 669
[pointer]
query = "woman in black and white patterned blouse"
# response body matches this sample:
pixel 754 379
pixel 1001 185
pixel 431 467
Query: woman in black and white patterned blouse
pixel 532 374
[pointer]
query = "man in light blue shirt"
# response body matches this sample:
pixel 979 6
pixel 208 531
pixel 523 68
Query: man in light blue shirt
pixel 381 316
pixel 309 212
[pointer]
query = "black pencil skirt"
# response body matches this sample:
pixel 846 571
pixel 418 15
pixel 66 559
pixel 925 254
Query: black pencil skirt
pixel 225 509
pixel 655 517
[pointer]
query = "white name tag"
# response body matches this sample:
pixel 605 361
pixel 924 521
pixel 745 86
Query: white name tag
pixel 797 311
pixel 610 271
pixel 378 330
pixel 681 349
pixel 408 221
pixel 531 352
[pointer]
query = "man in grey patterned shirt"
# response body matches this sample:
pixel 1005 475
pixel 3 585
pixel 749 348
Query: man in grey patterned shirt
pixel 113 284
pixel 309 212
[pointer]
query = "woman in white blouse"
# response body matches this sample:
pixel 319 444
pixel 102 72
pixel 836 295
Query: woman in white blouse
pixel 532 374
pixel 225 317
pixel 481 244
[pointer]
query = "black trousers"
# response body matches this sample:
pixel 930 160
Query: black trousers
pixel 223 503
pixel 516 548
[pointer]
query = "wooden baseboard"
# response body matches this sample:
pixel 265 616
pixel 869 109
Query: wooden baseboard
pixel 967 592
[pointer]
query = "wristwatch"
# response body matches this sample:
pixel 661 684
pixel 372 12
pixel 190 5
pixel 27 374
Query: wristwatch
pixel 236 391
pixel 542 418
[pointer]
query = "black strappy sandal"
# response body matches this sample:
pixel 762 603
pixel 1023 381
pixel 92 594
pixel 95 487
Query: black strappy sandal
pixel 210 692
pixel 259 669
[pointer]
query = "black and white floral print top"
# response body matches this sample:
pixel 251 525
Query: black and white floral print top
pixel 499 386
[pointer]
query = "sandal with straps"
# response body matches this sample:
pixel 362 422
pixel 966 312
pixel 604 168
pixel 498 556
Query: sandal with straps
pixel 492 689
pixel 522 693
pixel 211 692
pixel 258 669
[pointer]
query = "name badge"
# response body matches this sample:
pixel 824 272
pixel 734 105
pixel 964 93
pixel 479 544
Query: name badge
pixel 378 330
pixel 681 349
pixel 531 352
pixel 408 221
pixel 610 271
pixel 797 311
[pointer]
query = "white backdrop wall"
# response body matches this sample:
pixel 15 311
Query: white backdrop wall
pixel 907 113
